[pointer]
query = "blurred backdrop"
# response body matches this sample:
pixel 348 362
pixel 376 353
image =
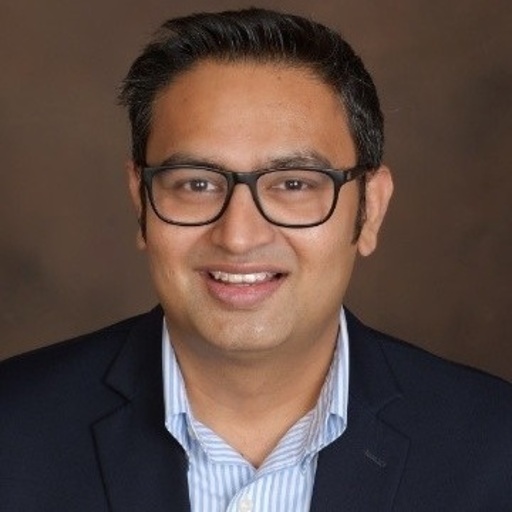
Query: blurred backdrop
pixel 441 276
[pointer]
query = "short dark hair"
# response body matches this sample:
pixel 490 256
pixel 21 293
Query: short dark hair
pixel 262 36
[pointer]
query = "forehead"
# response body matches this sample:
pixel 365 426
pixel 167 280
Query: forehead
pixel 254 110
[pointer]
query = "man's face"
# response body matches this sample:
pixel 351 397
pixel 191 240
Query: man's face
pixel 243 117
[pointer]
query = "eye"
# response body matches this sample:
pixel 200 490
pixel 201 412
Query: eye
pixel 199 185
pixel 293 184
pixel 294 181
pixel 190 181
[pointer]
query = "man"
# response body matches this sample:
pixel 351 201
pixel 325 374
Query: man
pixel 257 179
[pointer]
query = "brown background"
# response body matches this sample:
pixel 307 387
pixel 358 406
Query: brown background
pixel 441 277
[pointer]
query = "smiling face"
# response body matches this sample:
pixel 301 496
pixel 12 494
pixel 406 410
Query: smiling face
pixel 241 284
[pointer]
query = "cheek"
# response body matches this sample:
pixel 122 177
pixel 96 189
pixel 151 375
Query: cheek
pixel 167 252
pixel 335 258
pixel 332 242
pixel 324 277
pixel 327 253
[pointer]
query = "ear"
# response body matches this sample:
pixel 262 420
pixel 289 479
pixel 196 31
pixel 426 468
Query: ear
pixel 379 188
pixel 134 187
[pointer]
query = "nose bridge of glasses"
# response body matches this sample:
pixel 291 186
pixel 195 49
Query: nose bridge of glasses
pixel 245 178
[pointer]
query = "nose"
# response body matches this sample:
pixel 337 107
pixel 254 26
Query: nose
pixel 242 228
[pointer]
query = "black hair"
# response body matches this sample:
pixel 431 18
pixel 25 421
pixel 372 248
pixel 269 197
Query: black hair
pixel 262 36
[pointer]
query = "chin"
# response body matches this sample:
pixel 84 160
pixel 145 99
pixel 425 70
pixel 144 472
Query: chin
pixel 246 339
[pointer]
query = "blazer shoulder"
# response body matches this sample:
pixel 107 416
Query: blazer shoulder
pixel 67 348
pixel 77 361
pixel 413 361
pixel 428 380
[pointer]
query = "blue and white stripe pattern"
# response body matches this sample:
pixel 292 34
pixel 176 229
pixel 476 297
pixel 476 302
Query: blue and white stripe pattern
pixel 221 480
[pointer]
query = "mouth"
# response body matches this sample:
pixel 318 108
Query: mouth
pixel 246 290
pixel 244 279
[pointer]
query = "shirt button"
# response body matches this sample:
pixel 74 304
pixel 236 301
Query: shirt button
pixel 245 505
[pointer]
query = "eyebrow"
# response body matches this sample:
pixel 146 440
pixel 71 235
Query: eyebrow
pixel 302 158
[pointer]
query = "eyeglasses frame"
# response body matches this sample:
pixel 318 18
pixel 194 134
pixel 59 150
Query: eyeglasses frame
pixel 339 177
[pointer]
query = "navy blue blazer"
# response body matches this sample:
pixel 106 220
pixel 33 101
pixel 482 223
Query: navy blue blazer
pixel 82 430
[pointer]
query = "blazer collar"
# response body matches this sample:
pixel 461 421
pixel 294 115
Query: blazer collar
pixel 361 471
pixel 142 466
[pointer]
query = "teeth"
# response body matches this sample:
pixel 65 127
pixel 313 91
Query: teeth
pixel 241 278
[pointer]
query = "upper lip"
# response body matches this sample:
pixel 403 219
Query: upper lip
pixel 243 269
pixel 252 278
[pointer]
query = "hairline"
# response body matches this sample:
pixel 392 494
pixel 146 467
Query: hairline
pixel 242 60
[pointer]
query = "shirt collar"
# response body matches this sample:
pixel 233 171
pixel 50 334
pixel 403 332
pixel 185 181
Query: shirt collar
pixel 329 416
pixel 175 396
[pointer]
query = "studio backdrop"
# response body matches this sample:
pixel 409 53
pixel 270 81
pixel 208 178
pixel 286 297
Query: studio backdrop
pixel 442 273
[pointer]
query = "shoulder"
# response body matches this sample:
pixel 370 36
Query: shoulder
pixel 73 365
pixel 72 352
pixel 419 370
pixel 456 421
pixel 50 400
pixel 409 362
pixel 433 387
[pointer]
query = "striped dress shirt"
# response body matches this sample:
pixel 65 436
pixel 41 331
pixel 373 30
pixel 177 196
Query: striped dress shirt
pixel 221 480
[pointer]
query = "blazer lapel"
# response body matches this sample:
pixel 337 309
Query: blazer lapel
pixel 361 471
pixel 143 467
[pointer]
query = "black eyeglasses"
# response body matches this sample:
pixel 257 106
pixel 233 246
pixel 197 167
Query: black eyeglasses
pixel 189 195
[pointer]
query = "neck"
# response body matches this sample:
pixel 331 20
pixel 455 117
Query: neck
pixel 251 402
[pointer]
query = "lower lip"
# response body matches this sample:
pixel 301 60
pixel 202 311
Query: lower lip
pixel 242 296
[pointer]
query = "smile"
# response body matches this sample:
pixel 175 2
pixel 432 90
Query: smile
pixel 256 277
pixel 243 290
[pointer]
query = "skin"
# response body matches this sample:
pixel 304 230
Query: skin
pixel 254 357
